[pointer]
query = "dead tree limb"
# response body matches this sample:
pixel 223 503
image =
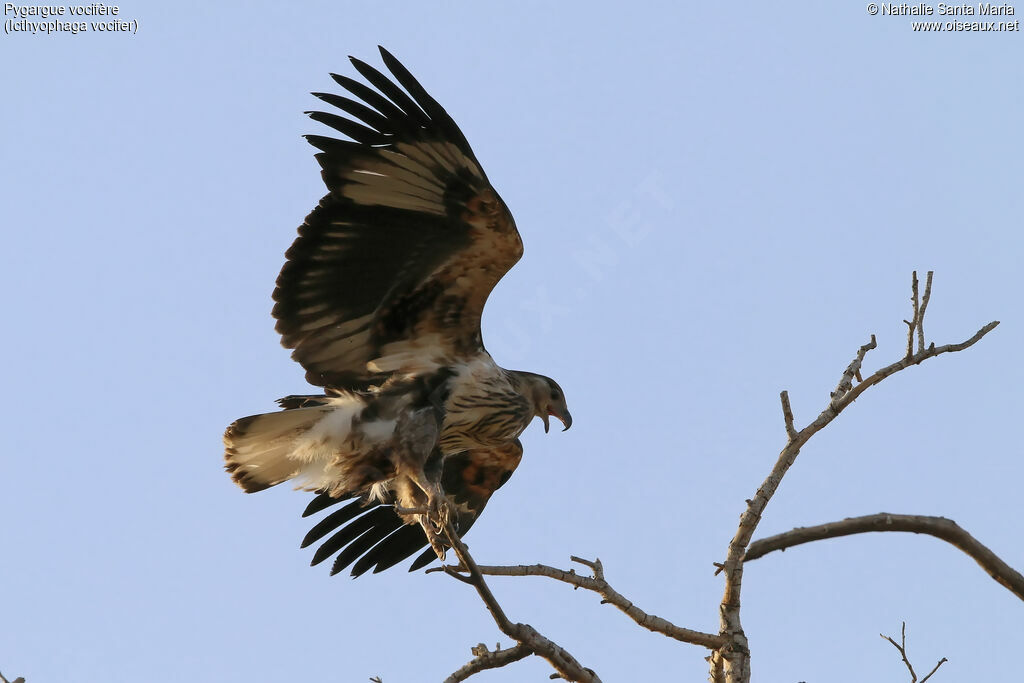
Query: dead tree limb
pixel 730 657
pixel 939 527
pixel 902 648
pixel 598 584
pixel 731 662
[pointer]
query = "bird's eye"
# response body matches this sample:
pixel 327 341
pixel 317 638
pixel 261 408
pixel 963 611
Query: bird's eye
pixel 555 395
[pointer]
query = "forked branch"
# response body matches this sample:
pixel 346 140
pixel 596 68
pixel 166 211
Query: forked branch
pixel 731 662
pixel 730 658
pixel 525 635
pixel 598 584
pixel 902 648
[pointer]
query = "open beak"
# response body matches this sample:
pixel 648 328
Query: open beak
pixel 566 420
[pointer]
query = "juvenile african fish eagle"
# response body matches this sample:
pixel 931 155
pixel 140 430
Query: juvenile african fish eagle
pixel 380 297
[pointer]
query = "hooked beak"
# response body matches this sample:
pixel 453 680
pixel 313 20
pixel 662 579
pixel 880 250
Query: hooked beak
pixel 566 420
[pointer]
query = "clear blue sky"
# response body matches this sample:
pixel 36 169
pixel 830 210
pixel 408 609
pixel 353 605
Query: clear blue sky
pixel 718 202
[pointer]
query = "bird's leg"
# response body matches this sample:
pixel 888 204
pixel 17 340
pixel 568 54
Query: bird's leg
pixel 437 508
pixel 434 538
pixel 433 516
pixel 430 530
pixel 417 433
pixel 438 511
pixel 418 510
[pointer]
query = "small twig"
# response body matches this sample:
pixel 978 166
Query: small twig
pixel 941 662
pixel 912 323
pixel 484 659
pixel 376 679
pixel 594 566
pixel 902 648
pixel 939 527
pixel 19 679
pixel 787 415
pixel 845 385
pixel 924 307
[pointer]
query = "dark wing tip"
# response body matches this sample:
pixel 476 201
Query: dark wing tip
pixel 423 560
pixel 386 54
pixel 407 540
pixel 341 79
pixel 322 501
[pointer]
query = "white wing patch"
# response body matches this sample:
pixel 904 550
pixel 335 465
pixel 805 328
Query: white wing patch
pixel 421 355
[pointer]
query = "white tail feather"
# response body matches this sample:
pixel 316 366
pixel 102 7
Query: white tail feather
pixel 328 447
pixel 260 450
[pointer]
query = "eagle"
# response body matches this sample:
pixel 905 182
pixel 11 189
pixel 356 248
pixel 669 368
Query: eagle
pixel 380 299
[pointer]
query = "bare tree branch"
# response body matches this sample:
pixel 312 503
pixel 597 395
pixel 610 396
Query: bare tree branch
pixel 787 414
pixel 939 527
pixel 902 647
pixel 934 669
pixel 485 659
pixel 912 323
pixel 852 370
pixel 731 662
pixel 19 679
pixel 609 595
pixel 924 307
pixel 524 634
pixel 916 359
pixel 730 657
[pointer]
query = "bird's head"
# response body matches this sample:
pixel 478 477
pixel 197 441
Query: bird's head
pixel 547 397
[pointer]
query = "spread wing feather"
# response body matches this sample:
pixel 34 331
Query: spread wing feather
pixel 374 537
pixel 391 271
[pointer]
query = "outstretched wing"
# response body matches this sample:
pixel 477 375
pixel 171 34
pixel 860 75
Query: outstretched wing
pixel 373 537
pixel 391 271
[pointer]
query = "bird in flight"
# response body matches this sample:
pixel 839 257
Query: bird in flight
pixel 380 299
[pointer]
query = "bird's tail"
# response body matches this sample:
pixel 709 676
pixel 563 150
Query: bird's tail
pixel 260 451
